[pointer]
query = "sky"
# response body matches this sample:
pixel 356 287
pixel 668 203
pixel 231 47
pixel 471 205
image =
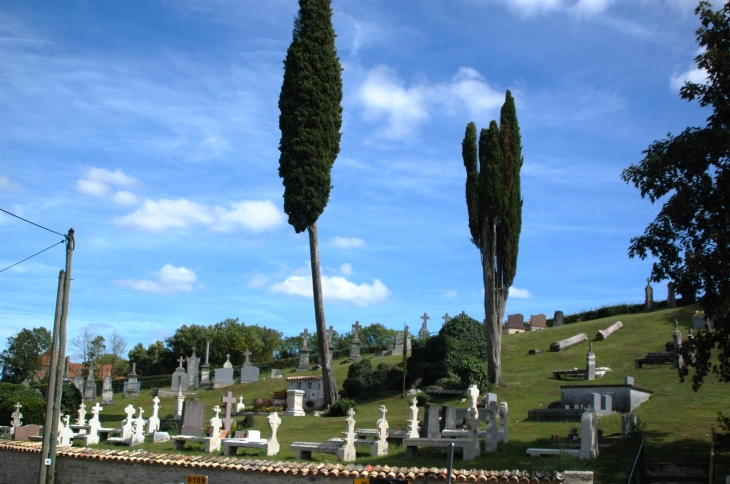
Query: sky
pixel 151 129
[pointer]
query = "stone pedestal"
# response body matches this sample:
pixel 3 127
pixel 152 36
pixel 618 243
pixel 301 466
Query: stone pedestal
pixel 590 364
pixel 304 360
pixel 294 403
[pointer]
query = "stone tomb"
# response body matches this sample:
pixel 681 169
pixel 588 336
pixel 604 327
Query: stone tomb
pixel 212 442
pixel 253 439
pixel 538 321
pixel 304 352
pixel 132 387
pixel 399 340
pixel 179 378
pixel 588 440
pixel 312 386
pixel 90 387
pixel 107 393
pixel 515 324
pixel 294 403
pixel 249 373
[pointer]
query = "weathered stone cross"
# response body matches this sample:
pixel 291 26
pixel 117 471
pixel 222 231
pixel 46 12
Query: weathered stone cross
pixel 356 329
pixel 425 318
pixel 305 336
pixel 247 353
pixel 330 334
pixel 446 318
pixel 180 360
pixel 229 400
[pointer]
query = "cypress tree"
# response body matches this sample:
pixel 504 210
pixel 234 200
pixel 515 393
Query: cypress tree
pixel 494 202
pixel 310 121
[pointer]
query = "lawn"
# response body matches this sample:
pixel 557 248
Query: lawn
pixel 677 420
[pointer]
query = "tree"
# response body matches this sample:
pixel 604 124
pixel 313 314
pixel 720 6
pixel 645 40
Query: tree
pixel 88 347
pixel 376 335
pixel 690 237
pixel 310 121
pixel 118 346
pixel 22 358
pixel 494 202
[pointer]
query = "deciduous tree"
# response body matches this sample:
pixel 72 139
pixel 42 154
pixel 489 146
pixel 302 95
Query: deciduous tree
pixel 22 358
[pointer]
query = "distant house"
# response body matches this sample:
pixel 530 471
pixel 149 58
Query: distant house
pixel 74 369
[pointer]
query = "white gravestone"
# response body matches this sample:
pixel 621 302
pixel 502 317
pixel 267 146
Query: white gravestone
pixel 107 393
pixel 81 417
pixel 294 403
pixel 138 435
pixel 589 435
pixel 179 378
pixel 347 452
pixel 128 427
pixel 413 421
pixel 272 447
pixel 179 400
pixel 94 425
pixel 16 416
pixel 153 423
pixel 503 436
pixel 240 407
pixel 590 363
pixel 381 444
pixel 65 434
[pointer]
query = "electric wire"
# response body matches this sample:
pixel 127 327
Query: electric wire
pixel 64 240
pixel 32 223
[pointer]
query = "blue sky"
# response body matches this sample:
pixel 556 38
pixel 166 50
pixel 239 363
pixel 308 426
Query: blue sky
pixel 151 128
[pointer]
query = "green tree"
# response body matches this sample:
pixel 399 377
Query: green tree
pixel 376 335
pixel 690 237
pixel 22 358
pixel 310 121
pixel 494 202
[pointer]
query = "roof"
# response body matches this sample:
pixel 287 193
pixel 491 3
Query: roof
pixel 305 377
pixel 347 471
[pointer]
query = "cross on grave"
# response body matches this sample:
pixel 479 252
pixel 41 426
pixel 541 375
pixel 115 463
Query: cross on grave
pixel 247 353
pixel 356 328
pixel 330 334
pixel 180 360
pixel 129 410
pixel 305 336
pixel 16 416
pixel 228 364
pixel 215 423
pixel 96 409
pixel 446 318
pixel 229 400
pixel 425 318
pixel 81 412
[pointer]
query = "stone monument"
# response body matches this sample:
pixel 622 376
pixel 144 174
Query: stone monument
pixel 558 319
pixel 90 386
pixel 67 368
pixel 294 403
pixel 590 363
pixel 382 439
pixel 399 341
pixel 79 384
pixel 16 416
pixel 249 373
pixel 671 295
pixel 423 332
pixel 347 453
pixel 179 404
pixel 223 377
pixel 153 423
pixel 229 400
pixel 179 378
pixel 304 353
pixel 355 343
pixel 107 393
pixel 330 344
pixel 412 428
pixel 193 418
pixel 648 297
pixel 193 363
pixel 132 387
pixel 205 369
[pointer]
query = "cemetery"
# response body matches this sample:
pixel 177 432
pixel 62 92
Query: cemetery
pixel 510 427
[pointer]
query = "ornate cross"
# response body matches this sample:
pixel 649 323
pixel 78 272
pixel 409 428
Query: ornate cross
pixel 247 353
pixel 96 409
pixel 356 328
pixel 305 336
pixel 180 360
pixel 425 318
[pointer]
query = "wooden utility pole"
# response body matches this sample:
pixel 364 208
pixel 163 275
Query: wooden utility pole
pixel 51 388
pixel 58 391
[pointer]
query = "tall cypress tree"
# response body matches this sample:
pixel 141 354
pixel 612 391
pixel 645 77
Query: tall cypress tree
pixel 494 202
pixel 310 121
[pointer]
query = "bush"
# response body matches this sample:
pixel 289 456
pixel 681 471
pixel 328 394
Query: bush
pixel 170 426
pixel 33 409
pixel 351 388
pixel 361 370
pixel 467 329
pixel 471 372
pixel 339 409
pixel 422 399
pixel 249 421
pixel 70 399
pixel 449 383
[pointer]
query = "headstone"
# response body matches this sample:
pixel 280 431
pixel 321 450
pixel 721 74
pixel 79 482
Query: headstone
pixel 412 427
pixel 671 295
pixel 272 447
pixel 589 435
pixel 568 342
pixel 205 368
pixel 304 353
pixel 677 339
pixel 223 377
pixel 490 443
pixel 449 417
pixel 179 403
pixel 193 363
pixel 249 374
pixel 648 297
pixel 193 418
pixel 107 393
pixel 138 435
pixel 382 441
pixel 25 432
pixel 590 363
pixel 81 415
pixel 276 373
pixel 471 451
pixel 228 363
pixel 355 343
pixel 503 436
pixel 179 378
pixel 229 400
pixel 94 425
pixel 423 332
pixel 628 424
pixel 629 380
pixel 128 426
pixel 330 342
pixel 399 340
pixel 433 422
pixel 472 394
pixel 132 387
pixel 240 407
pixel 516 322
pixel 153 423
pixel 25 383
pixel 90 386
pixel 65 434
pixel 538 321
pixel 558 319
pixel 602 334
pixel 294 403
pixel 79 384
pixel 216 423
pixel 347 453
pixel 16 419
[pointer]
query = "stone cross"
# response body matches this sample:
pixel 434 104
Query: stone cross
pixel 65 434
pixel 95 411
pixel 129 410
pixel 228 364
pixel 347 453
pixel 330 334
pixel 240 407
pixel 272 445
pixel 216 423
pixel 247 353
pixel 138 436
pixel 180 360
pixel 229 400
pixel 81 420
pixel 382 424
pixel 305 336
pixel 446 318
pixel 473 393
pixel 413 421
pixel 153 423
pixel 16 417
pixel 356 330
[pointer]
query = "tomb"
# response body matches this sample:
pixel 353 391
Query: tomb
pixel 304 353
pixel 276 373
pixel 294 403
pixel 107 393
pixel 253 439
pixel 249 373
pixel 312 386
pixel 672 354
pixel 212 442
pixel 223 377
pixel 132 387
pixel 355 343
pixel 26 432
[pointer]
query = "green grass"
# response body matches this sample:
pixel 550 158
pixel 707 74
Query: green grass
pixel 677 419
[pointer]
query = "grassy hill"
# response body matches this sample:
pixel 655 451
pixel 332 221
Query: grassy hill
pixel 677 419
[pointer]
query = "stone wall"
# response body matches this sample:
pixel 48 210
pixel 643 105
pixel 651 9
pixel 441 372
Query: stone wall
pixel 19 464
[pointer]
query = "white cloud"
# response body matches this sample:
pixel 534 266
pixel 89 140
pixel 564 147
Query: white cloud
pixel 693 74
pixel 8 185
pixel 385 98
pixel 347 242
pixel 519 293
pixel 346 269
pixel 580 7
pixel 259 280
pixel 170 280
pixel 98 181
pixel 450 294
pixel 335 288
pixel 123 197
pixel 159 216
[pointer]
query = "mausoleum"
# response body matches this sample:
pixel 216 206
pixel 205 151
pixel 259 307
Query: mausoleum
pixel 312 386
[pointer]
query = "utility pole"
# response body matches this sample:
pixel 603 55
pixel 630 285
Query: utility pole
pixel 50 389
pixel 52 431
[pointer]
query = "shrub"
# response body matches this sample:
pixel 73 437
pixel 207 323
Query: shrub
pixel 247 422
pixel 361 370
pixel 450 384
pixel 351 388
pixel 422 399
pixel 33 409
pixel 70 399
pixel 170 426
pixel 339 409
pixel 467 329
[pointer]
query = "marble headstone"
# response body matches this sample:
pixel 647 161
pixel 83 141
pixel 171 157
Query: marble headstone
pixel 193 418
pixel 90 387
pixel 179 378
pixel 193 363
pixel 107 393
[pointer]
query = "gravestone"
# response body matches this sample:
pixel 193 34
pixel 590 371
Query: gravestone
pixel 94 425
pixel 138 435
pixel 16 419
pixel 25 432
pixel 590 363
pixel 179 403
pixel 434 432
pixel 90 387
pixel 294 403
pixel 179 378
pixel 223 377
pixel 65 434
pixel 382 440
pixel 412 426
pixel 423 332
pixel 107 393
pixel 648 297
pixel 629 424
pixel 132 387
pixel 490 443
pixel 347 453
pixel 67 368
pixel 355 343
pixel 538 321
pixel 81 415
pixel 128 426
pixel 205 369
pixel 229 400
pixel 330 344
pixel 671 295
pixel 558 319
pixel 193 363
pixel 79 384
pixel 304 353
pixel 399 339
pixel 516 322
pixel 589 435
pixel 240 406
pixel 276 373
pixel 249 373
pixel 193 418
pixel 153 423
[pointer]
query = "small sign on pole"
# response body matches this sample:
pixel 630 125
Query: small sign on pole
pixel 196 479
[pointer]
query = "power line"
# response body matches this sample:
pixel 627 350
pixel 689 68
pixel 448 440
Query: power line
pixel 64 240
pixel 32 223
